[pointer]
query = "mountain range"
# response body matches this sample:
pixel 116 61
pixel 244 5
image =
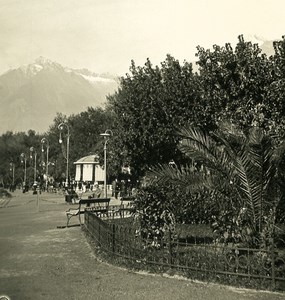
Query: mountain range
pixel 31 95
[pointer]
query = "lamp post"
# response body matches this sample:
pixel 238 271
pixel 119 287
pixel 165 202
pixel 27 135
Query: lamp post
pixel 12 169
pixel 33 152
pixel 45 141
pixel 61 127
pixel 24 161
pixel 106 136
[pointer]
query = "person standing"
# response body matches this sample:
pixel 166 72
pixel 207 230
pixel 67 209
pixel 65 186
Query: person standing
pixel 97 191
pixel 115 188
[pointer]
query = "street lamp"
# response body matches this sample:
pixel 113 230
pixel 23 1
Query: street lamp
pixel 24 160
pixel 106 136
pixel 45 141
pixel 33 152
pixel 12 169
pixel 61 127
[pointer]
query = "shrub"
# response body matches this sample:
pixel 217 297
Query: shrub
pixel 154 214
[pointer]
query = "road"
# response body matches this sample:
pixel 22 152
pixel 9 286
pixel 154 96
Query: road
pixel 40 261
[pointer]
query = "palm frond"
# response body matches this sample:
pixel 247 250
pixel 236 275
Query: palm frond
pixel 229 134
pixel 183 177
pixel 201 147
pixel 252 175
pixel 245 188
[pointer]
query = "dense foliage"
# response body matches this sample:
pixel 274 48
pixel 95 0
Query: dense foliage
pixel 154 213
pixel 244 170
pixel 11 147
pixel 149 105
pixel 242 85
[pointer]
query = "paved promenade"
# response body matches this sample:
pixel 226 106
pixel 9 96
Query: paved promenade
pixel 40 261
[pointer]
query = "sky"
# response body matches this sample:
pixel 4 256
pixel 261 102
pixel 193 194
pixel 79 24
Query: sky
pixel 105 35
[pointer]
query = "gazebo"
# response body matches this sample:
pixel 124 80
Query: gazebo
pixel 88 169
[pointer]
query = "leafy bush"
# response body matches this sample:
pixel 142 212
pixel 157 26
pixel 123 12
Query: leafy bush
pixel 154 214
pixel 193 207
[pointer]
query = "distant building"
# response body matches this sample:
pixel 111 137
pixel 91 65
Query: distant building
pixel 88 169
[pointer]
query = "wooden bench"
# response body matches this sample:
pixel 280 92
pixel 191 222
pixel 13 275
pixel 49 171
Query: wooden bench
pixel 97 205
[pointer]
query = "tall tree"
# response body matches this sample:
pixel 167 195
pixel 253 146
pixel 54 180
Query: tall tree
pixel 276 89
pixel 11 147
pixel 150 103
pixel 233 85
pixel 86 128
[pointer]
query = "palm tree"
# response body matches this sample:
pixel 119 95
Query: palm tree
pixel 241 168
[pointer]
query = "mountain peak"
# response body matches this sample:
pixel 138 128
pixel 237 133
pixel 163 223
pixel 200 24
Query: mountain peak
pixel 47 63
pixel 43 61
pixel 39 64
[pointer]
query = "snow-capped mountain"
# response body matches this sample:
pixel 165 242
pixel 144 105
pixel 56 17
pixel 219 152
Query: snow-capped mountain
pixel 31 95
pixel 93 77
pixel 39 64
pixel 42 63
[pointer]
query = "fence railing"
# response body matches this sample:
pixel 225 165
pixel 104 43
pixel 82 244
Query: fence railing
pixel 257 268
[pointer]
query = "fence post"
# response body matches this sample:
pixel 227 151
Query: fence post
pixel 93 226
pixel 99 233
pixel 113 237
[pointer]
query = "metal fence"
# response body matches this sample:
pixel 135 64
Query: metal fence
pixel 256 268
